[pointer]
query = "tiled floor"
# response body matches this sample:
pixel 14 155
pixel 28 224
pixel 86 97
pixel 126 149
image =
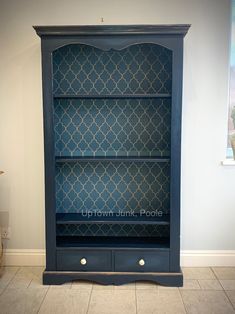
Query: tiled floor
pixel 205 290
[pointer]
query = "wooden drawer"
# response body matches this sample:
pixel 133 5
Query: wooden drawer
pixel 141 261
pixel 87 260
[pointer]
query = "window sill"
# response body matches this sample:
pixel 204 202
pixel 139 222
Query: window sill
pixel 228 162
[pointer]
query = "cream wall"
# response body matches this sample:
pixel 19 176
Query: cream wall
pixel 208 197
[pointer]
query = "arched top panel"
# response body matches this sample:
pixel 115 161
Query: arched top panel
pixel 144 68
pixel 107 46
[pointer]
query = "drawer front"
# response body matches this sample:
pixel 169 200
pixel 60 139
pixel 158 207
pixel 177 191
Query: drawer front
pixel 87 260
pixel 141 261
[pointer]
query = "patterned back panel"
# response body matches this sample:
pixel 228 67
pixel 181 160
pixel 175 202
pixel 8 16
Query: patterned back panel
pixel 113 230
pixel 124 127
pixel 116 186
pixel 138 69
pixel 112 127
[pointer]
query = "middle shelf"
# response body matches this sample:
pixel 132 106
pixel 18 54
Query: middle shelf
pixel 62 159
pixel 111 96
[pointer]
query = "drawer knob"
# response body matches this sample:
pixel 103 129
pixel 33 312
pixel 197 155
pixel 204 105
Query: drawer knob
pixel 83 261
pixel 141 262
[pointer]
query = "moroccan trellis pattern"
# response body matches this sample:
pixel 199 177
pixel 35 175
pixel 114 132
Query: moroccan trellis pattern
pixel 113 230
pixel 138 69
pixel 116 186
pixel 112 127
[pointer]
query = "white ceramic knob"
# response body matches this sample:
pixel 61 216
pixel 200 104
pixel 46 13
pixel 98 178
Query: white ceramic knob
pixel 141 262
pixel 83 261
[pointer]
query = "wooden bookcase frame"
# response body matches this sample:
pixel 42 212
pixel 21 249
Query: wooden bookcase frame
pixel 116 38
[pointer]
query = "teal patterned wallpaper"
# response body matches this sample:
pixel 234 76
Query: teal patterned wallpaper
pixel 119 186
pixel 138 69
pixel 112 127
pixel 113 230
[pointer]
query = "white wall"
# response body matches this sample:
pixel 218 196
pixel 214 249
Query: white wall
pixel 208 197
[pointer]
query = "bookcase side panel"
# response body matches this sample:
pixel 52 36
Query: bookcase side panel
pixel 177 76
pixel 49 159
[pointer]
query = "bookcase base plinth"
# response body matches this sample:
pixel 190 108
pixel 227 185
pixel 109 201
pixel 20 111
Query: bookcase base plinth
pixel 113 278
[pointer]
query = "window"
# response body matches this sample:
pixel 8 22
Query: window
pixel 231 120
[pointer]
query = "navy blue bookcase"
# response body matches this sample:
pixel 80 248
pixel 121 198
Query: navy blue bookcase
pixel 112 134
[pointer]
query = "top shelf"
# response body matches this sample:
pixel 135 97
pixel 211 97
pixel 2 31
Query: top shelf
pixel 121 96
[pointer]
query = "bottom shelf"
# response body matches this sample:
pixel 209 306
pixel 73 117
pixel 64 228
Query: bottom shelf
pixel 113 242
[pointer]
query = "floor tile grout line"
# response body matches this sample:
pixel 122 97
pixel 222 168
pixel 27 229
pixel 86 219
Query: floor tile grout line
pixel 136 308
pixel 211 288
pixel 198 280
pixel 18 270
pixel 3 290
pixel 43 299
pixel 220 284
pixel 211 268
pixel 198 284
pixel 223 290
pixel 201 289
pixel 182 299
pixel 217 278
pixel 227 297
pixel 29 283
pixel 89 301
pixel 6 286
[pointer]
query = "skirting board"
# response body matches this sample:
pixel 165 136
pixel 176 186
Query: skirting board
pixel 194 258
